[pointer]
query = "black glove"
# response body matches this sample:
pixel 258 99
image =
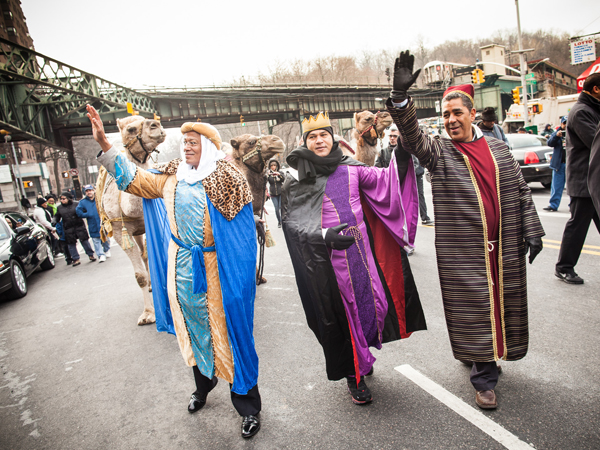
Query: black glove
pixel 260 229
pixel 404 77
pixel 338 241
pixel 534 246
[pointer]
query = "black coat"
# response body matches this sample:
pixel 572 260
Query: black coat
pixel 73 225
pixel 594 173
pixel 275 181
pixel 581 128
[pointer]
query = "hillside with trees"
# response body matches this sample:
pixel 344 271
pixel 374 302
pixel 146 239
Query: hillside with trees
pixel 370 67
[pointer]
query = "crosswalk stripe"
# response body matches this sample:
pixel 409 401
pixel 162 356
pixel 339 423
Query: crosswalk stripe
pixel 488 426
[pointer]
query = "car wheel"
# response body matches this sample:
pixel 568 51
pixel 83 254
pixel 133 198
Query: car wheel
pixel 547 185
pixel 19 281
pixel 48 263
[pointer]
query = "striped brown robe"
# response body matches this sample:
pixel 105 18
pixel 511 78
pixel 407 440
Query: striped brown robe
pixel 460 242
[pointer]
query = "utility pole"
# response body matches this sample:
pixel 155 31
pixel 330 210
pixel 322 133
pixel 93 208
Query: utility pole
pixel 521 53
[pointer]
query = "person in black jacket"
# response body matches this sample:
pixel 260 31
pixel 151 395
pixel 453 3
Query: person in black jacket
pixel 558 165
pixel 73 227
pixel 581 128
pixel 275 177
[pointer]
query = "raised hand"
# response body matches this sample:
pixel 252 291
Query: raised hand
pixel 98 128
pixel 404 77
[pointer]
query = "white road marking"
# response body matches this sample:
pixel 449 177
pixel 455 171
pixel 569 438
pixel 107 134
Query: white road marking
pixel 488 426
pixel 76 361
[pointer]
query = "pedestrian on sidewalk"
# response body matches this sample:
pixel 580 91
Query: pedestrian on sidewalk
pixel 87 209
pixel 43 217
pixel 73 227
pixel 348 228
pixel 581 128
pixel 480 252
pixel 275 177
pixel 557 164
pixel 211 260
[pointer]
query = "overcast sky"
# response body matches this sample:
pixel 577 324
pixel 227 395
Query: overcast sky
pixel 198 43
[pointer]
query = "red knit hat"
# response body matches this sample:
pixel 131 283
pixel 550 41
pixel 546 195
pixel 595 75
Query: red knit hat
pixel 466 89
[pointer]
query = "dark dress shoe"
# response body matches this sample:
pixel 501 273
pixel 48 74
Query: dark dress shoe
pixel 549 208
pixel 250 426
pixel 198 399
pixel 486 399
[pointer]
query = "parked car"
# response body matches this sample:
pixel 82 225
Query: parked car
pixel 24 246
pixel 533 155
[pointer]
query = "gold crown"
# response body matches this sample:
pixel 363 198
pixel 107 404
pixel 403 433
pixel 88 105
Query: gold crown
pixel 312 123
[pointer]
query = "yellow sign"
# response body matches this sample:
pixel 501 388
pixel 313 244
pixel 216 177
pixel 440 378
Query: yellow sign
pixel 28 184
pixel 129 108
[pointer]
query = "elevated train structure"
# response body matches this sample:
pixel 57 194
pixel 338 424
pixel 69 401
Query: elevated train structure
pixel 43 100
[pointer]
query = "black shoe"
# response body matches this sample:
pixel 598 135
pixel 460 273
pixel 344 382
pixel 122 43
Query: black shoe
pixel 198 399
pixel 92 258
pixel 69 263
pixel 570 278
pixel 278 225
pixel 549 208
pixel 370 371
pixel 427 222
pixel 360 394
pixel 250 426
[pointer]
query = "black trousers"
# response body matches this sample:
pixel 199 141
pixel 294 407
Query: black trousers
pixel 582 214
pixel 484 375
pixel 422 204
pixel 245 405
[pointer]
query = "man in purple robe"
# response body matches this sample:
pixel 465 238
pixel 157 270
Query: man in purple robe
pixel 348 228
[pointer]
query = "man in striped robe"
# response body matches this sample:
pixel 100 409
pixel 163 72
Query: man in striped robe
pixel 485 224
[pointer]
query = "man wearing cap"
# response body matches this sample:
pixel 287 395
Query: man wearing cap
pixel 87 209
pixel 211 247
pixel 488 125
pixel 557 164
pixel 485 224
pixel 348 228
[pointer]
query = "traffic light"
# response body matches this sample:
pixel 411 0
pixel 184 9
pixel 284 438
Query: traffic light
pixel 516 96
pixel 474 76
pixel 242 121
pixel 387 73
pixel 65 174
pixel 536 108
pixel 481 75
pixel 28 184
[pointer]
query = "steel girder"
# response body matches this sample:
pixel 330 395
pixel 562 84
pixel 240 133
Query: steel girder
pixel 39 94
pixel 283 104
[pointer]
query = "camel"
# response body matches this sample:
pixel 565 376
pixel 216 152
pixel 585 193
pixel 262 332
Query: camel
pixel 140 137
pixel 253 165
pixel 369 127
pixel 245 156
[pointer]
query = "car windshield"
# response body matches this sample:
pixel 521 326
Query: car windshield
pixel 525 140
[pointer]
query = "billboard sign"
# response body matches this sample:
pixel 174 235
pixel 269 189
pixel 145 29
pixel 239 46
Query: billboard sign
pixel 583 51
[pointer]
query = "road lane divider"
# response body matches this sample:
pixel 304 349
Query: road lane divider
pixel 476 417
pixel 548 243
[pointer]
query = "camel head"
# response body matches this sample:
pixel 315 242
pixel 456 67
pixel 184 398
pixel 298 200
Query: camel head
pixel 244 146
pixel 370 127
pixel 136 128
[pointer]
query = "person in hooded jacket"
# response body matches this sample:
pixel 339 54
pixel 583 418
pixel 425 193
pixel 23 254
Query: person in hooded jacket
pixel 86 209
pixel 275 177
pixel 43 217
pixel 547 130
pixel 74 227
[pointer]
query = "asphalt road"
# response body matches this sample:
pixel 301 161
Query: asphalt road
pixel 78 373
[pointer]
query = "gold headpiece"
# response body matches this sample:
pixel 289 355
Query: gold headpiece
pixel 204 129
pixel 312 123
